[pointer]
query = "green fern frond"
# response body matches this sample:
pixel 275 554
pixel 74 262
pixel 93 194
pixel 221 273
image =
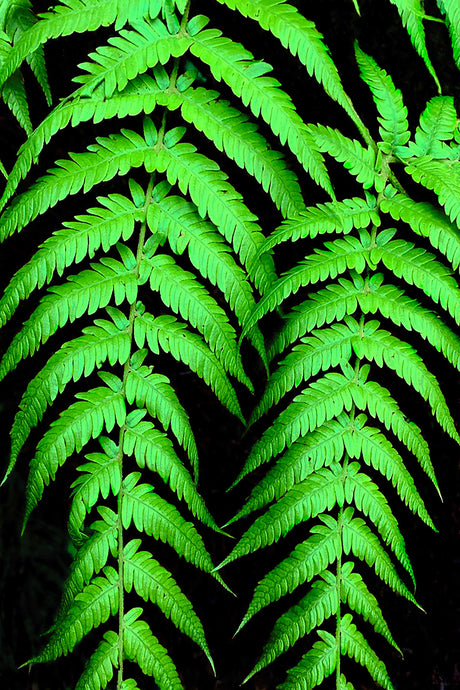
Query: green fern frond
pixel 321 491
pixel 323 400
pixel 355 593
pixel 358 538
pixel 153 582
pixel 232 132
pixel 332 303
pixel 395 305
pixel 87 291
pixel 421 268
pixel 374 343
pixel 333 216
pixel 130 53
pixel 152 448
pixel 377 452
pixel 318 449
pixel 159 519
pixel 441 176
pixel 318 663
pixel 91 556
pixel 103 226
pixel 427 221
pixel 92 606
pixel 13 90
pixel 319 604
pixel 394 129
pixel 177 218
pixel 358 160
pixel 75 16
pixel 231 63
pixel 214 197
pixel 338 256
pixel 437 124
pixel 301 37
pixel 411 12
pixel 355 645
pixel 154 392
pixel 99 477
pixel 97 409
pixel 141 646
pixel 99 670
pixel 169 335
pixel 186 296
pixel 452 12
pixel 324 349
pixel 307 560
pixel 361 491
pixel 77 358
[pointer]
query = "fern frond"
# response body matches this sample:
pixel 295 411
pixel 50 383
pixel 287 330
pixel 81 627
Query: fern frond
pixel 324 349
pixel 306 561
pixel 208 252
pixel 323 400
pixel 130 53
pixel 92 606
pixel 452 12
pixel 355 593
pixel 159 519
pixel 394 129
pixel 153 582
pixel 377 452
pixel 358 160
pixel 395 305
pixel 214 197
pixel 98 408
pixel 437 124
pixel 99 670
pixel 411 13
pixel 103 226
pixel 358 538
pixel 441 176
pixel 232 132
pixel 186 296
pixel 338 256
pixel 301 37
pixel 319 604
pixel 362 492
pixel 87 291
pixel 140 96
pixel 152 448
pixel 355 645
pixel 321 491
pixel 98 477
pixel 421 268
pixel 166 334
pixel 333 216
pixel 318 449
pixel 154 392
pixel 427 221
pixel 318 663
pixel 141 646
pixel 75 16
pixel 374 343
pixel 231 63
pixel 13 90
pixel 77 358
pixel 332 303
pixel 91 556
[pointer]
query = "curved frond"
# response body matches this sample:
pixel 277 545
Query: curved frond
pixel 167 334
pixel 100 667
pixel 437 124
pixel 443 177
pixel 318 663
pixel 452 12
pixel 354 644
pixel 231 63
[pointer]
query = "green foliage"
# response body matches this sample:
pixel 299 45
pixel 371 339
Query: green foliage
pixel 169 270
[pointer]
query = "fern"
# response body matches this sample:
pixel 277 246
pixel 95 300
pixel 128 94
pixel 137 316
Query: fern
pixel 169 271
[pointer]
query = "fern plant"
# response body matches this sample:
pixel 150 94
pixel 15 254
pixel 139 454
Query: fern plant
pixel 172 264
